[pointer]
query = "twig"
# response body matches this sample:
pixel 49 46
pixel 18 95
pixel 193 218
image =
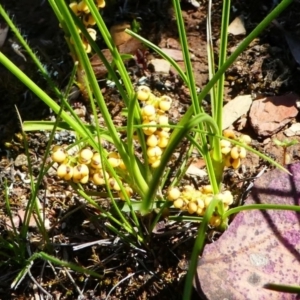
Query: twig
pixel 38 285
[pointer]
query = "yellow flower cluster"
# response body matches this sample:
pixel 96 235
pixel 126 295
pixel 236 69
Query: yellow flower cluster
pixel 233 154
pixel 82 10
pixel 154 114
pixel 196 201
pixel 86 167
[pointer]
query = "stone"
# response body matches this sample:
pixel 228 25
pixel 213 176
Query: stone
pixel 259 247
pixel 293 130
pixel 160 65
pixel 270 114
pixel 237 26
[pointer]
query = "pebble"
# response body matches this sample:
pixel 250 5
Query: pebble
pixel 21 160
pixel 270 114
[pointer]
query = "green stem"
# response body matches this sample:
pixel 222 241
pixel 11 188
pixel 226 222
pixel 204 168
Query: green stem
pixel 198 246
pixel 40 93
pixel 236 210
pixel 174 141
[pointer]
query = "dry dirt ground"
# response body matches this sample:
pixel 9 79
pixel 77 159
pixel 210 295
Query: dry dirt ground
pixel 266 68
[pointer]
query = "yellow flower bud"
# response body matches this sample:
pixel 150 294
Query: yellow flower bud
pixel 227 197
pixel 84 179
pixel 82 6
pixel 122 166
pixel 155 164
pixel 85 156
pixel 59 154
pixel 74 8
pixel 243 152
pixel 178 203
pixel 163 120
pixel 114 159
pixel 163 142
pixel 225 143
pixel 228 161
pixel 61 171
pixel 69 173
pixel 92 32
pixel 238 152
pixel 154 152
pixel 149 130
pixel 153 159
pixel 225 150
pixel 236 163
pixel 128 191
pixel 88 20
pixel 244 138
pixel 152 140
pixel 100 3
pixel 200 203
pixel 173 193
pixel 215 221
pixel 96 161
pixel 207 189
pixel 143 93
pixel 200 211
pixel 87 47
pixel 80 171
pixel 148 112
pixel 114 184
pixel 207 199
pixel 165 103
pixel 192 207
pixel 98 178
pixel 229 134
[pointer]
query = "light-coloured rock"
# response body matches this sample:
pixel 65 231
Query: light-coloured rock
pixel 293 130
pixel 237 26
pixel 173 53
pixel 270 114
pixel 21 160
pixel 235 108
pixel 160 65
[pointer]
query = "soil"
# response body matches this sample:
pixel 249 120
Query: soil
pixel 266 68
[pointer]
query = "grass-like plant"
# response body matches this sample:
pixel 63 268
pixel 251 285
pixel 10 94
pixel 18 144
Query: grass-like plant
pixel 145 180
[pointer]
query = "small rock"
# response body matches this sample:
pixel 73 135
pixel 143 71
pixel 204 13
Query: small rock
pixel 173 44
pixel 237 26
pixel 293 130
pixel 194 3
pixel 270 114
pixel 173 53
pixel 21 160
pixel 160 65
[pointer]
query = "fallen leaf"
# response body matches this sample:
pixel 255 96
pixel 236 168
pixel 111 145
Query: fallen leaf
pixel 235 108
pixel 260 247
pixel 194 170
pixel 119 35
